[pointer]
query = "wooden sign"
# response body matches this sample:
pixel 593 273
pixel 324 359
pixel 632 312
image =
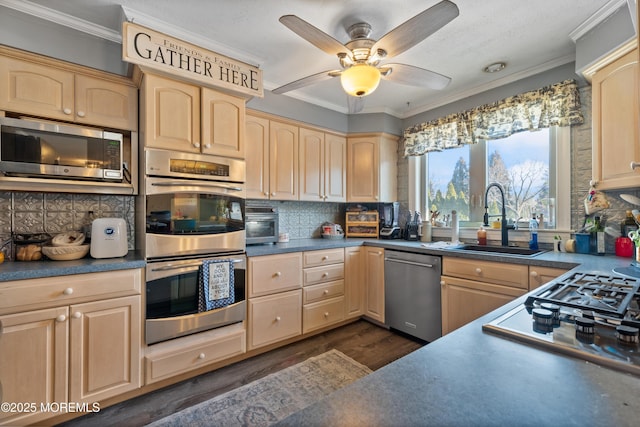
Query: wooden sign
pixel 146 47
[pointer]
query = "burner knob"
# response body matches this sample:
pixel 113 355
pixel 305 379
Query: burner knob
pixel 554 309
pixel 585 329
pixel 542 320
pixel 627 334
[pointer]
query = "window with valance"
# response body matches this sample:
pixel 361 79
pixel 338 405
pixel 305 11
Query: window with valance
pixel 554 105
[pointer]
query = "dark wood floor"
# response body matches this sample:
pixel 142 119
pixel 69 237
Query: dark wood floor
pixel 364 342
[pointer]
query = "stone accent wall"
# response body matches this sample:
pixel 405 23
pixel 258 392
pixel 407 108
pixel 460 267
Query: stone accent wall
pixel 53 213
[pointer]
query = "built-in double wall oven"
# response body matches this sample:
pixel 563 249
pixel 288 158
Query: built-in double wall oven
pixel 191 216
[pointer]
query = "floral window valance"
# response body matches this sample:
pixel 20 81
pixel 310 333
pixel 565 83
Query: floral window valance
pixel 554 105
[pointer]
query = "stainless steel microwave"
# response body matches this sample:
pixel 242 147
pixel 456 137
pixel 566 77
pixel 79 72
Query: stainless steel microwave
pixel 47 149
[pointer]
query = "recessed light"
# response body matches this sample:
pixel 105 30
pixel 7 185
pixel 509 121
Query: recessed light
pixel 495 67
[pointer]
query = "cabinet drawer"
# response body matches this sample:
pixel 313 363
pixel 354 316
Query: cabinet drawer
pixel 323 291
pixel 274 318
pixel 321 314
pixel 274 273
pixel 487 271
pixel 323 274
pixel 329 256
pixel 23 295
pixel 185 354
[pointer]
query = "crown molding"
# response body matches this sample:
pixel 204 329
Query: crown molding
pixel 601 14
pixel 63 19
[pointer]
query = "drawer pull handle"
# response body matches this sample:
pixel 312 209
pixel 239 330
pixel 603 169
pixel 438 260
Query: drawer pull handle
pixel 324 258
pixel 77 315
pixel 277 318
pixel 326 291
pixel 196 144
pixel 61 318
pixel 81 114
pixel 442 282
pixel 325 274
pixel 67 111
pixel 68 291
pixel 326 314
pixel 478 270
pixel 207 145
pixel 201 356
pixel 534 274
pixel 277 274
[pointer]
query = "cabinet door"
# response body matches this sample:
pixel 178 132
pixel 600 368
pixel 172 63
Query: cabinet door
pixel 274 318
pixel 274 273
pixel 335 168
pixel 362 170
pixel 466 300
pixel 171 114
pixel 354 279
pixel 223 124
pixel 312 165
pixel 616 141
pixel 374 293
pixel 34 89
pixel 283 161
pixel 105 103
pixel 257 157
pixel 33 361
pixel 105 349
pixel 538 276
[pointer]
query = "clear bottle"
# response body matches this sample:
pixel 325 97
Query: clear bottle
pixel 533 233
pixel 482 236
pixel 599 231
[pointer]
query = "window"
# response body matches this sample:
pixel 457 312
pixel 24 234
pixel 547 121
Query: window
pixel 532 167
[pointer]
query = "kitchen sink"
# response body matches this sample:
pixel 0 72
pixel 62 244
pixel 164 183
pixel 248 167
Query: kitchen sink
pixel 502 250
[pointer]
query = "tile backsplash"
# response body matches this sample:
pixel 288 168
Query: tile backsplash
pixel 53 213
pixel 302 220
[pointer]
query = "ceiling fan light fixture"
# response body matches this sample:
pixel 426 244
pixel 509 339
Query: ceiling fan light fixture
pixel 360 79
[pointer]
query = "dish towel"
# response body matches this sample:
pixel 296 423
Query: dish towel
pixel 216 287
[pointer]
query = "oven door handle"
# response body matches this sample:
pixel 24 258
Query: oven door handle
pixel 187 265
pixel 200 184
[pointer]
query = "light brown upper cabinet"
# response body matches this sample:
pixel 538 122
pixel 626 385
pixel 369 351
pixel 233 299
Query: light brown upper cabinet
pixel 48 88
pixel 372 168
pixel 184 117
pixel 272 159
pixel 323 158
pixel 616 142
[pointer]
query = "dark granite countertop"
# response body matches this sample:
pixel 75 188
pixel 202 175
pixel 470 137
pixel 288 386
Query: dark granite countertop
pixel 20 270
pixel 545 259
pixel 473 378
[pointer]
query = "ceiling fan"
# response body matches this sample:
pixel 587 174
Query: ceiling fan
pixel 361 58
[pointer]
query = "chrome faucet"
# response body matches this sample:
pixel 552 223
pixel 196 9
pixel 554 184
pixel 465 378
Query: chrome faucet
pixel 505 232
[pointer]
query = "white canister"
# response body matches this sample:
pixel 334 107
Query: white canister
pixel 283 238
pixel 426 231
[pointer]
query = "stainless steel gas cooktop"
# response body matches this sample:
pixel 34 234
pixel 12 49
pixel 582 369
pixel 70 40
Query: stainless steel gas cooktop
pixel 594 317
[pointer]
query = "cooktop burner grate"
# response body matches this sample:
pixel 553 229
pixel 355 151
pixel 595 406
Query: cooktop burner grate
pixel 605 294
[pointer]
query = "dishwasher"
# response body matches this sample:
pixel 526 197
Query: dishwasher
pixel 412 294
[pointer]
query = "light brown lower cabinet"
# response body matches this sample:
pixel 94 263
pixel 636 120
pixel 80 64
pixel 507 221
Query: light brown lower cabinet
pixel 354 281
pixel 78 342
pixel 323 292
pixel 374 283
pixel 472 288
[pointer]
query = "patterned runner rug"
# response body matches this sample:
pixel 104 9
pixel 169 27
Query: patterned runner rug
pixel 274 397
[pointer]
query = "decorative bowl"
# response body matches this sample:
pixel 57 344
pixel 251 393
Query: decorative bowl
pixel 65 253
pixel 70 238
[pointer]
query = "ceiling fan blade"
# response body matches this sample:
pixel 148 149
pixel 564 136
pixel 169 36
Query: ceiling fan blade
pixel 355 103
pixel 414 76
pixel 313 35
pixel 416 29
pixel 306 81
